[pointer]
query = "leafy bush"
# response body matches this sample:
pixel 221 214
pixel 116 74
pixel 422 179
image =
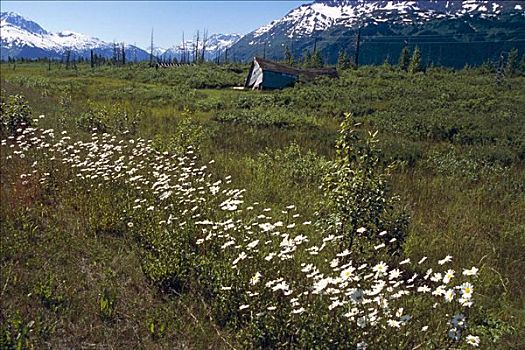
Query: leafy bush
pixel 358 195
pixel 188 133
pixel 303 168
pixel 452 163
pixel 16 333
pixel 106 118
pixel 15 113
pixel 264 118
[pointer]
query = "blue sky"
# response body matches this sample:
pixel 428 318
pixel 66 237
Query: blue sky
pixel 131 21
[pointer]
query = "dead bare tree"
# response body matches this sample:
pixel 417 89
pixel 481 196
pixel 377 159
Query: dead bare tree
pixel 68 57
pixel 183 56
pixel 123 53
pixel 196 48
pixel 151 50
pixel 204 42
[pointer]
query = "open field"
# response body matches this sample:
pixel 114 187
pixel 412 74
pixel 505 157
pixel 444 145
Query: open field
pixel 87 264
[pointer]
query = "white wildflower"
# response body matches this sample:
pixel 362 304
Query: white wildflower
pixel 448 276
pixel 471 272
pixel 449 295
pixel 255 278
pixel 472 340
pixel 380 268
pixel 445 260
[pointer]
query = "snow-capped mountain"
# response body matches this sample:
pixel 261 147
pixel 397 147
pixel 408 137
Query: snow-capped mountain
pixel 323 14
pixel 216 45
pixel 20 37
pixel 331 25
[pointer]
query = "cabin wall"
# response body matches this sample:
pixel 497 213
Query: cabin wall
pixel 274 80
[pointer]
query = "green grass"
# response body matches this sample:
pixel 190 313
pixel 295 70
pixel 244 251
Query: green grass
pixel 460 139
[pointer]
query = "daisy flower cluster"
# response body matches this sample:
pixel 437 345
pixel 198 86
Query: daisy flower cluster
pixel 288 270
pixel 282 268
pixel 157 196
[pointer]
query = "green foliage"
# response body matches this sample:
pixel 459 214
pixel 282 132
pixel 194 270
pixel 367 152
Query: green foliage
pixel 491 329
pixel 307 59
pixel 404 59
pixel 15 333
pixel 15 113
pixel 188 133
pixel 416 63
pixel 313 60
pixel 109 118
pixel 512 63
pixel 48 291
pixel 65 102
pixel 343 61
pixel 357 193
pixel 288 57
pixel 107 302
pixel 156 328
pixel 41 84
pixel 205 76
pixel 300 167
pixel 317 59
pixel 461 141
pixel 450 163
pixel 264 118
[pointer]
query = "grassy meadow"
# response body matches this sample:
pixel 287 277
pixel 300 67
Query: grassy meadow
pixel 166 210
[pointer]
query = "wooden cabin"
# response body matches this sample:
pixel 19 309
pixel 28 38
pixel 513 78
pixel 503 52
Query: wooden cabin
pixel 265 74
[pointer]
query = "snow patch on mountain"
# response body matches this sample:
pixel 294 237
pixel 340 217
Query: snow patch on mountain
pixel 20 37
pixel 215 44
pixel 323 14
pixel 16 31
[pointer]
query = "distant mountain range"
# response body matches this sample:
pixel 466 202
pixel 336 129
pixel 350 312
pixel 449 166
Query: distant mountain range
pixel 23 38
pixel 216 45
pixel 451 33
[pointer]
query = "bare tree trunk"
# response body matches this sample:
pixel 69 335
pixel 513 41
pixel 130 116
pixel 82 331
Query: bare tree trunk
pixel 68 57
pixel 358 44
pixel 183 56
pixel 123 49
pixel 151 49
pixel 196 51
pixel 204 42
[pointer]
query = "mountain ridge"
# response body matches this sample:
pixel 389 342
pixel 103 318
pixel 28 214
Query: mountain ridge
pixel 216 45
pixel 331 26
pixel 24 38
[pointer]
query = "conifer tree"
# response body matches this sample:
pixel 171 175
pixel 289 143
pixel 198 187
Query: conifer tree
pixel 307 61
pixel 512 63
pixel 521 66
pixel 500 72
pixel 123 49
pixel 343 61
pixel 288 58
pixel 317 60
pixel 404 59
pixel 416 64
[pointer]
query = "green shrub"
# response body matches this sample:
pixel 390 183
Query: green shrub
pixel 357 194
pixel 109 118
pixel 264 117
pixel 16 333
pixel 15 113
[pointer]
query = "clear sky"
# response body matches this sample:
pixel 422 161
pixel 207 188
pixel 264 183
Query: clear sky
pixel 132 21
